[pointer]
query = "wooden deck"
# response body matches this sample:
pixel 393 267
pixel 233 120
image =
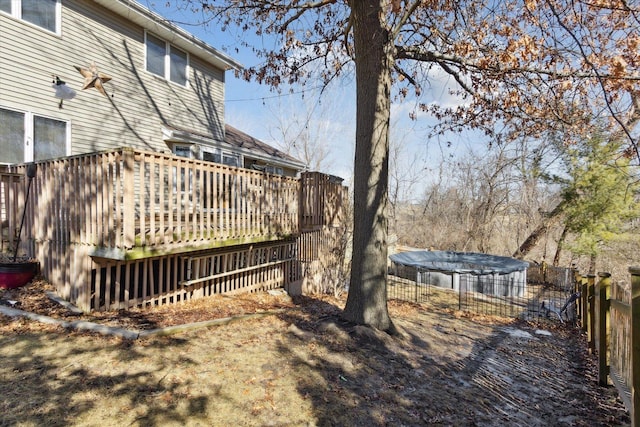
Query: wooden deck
pixel 85 213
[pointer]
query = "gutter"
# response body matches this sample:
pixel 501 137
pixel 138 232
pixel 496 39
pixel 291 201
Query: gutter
pixel 162 27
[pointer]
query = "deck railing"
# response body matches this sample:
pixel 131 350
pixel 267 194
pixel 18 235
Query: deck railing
pixel 121 200
pixel 89 212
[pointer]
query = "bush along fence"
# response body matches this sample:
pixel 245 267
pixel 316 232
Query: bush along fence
pixel 610 315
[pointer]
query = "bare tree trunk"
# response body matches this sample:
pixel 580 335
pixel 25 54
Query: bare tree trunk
pixel 556 257
pixel 533 239
pixel 592 264
pixel 367 299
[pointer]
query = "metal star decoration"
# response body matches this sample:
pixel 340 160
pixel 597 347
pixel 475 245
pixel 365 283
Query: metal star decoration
pixel 93 78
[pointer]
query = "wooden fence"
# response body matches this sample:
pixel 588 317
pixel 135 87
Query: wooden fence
pixel 610 314
pixel 103 225
pixel 559 277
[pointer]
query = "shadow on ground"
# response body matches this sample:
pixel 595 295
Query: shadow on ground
pixel 304 366
pixel 448 370
pixel 53 378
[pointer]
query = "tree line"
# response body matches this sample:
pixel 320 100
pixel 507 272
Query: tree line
pixel 568 205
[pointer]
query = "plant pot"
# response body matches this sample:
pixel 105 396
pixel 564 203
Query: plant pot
pixel 16 274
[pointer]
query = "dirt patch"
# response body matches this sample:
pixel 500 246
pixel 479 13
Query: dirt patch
pixel 300 367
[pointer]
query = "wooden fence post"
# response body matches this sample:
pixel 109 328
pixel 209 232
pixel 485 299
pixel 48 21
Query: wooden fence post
pixel 604 291
pixel 591 314
pixel 635 346
pixel 582 299
pixel 585 302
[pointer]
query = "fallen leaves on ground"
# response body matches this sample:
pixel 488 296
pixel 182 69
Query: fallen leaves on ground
pixel 301 366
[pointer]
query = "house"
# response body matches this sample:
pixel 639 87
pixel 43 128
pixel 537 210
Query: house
pixel 139 82
pixel 143 195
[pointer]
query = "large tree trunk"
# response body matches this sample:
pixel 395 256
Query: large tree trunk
pixel 367 299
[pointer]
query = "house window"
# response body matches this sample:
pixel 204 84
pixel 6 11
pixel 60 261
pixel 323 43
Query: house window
pixel 12 133
pixel 49 138
pixel 166 60
pixel 178 66
pixel 30 137
pixel 209 154
pixel 182 151
pixel 42 13
pixel 156 51
pixel 216 155
pixel 274 170
pixel 230 159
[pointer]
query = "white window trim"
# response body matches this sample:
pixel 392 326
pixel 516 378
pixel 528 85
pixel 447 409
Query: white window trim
pixel 29 129
pixel 167 61
pixel 16 13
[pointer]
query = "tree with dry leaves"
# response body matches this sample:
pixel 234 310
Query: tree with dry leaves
pixel 533 66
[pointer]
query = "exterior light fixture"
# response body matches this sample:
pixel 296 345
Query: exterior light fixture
pixel 62 91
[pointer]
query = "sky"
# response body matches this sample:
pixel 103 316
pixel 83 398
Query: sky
pixel 262 113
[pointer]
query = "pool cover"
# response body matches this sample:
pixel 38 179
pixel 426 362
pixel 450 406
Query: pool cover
pixel 459 262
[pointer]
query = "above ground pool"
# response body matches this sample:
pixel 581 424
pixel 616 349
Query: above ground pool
pixel 488 274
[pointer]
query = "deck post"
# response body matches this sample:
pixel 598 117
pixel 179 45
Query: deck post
pixel 604 291
pixel 128 202
pixel 635 346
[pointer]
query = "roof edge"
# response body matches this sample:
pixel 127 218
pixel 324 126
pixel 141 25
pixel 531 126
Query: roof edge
pixel 183 136
pixel 162 27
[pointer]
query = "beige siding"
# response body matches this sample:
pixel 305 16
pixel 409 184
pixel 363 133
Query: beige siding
pixel 138 103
